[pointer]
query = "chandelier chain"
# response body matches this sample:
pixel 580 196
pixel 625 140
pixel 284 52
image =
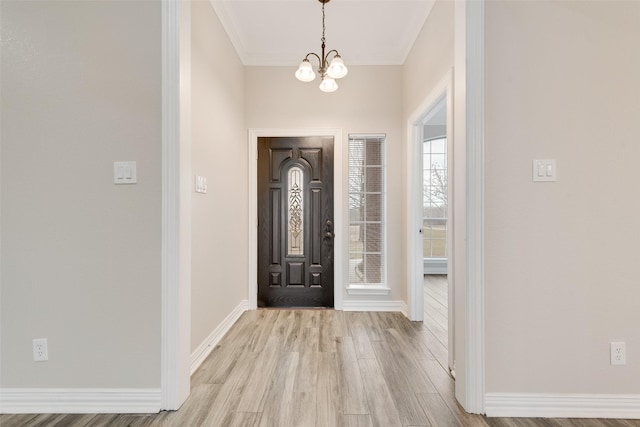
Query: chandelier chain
pixel 323 26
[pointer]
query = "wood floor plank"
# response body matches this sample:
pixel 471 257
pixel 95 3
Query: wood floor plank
pixel 192 412
pixel 279 404
pixel 284 324
pixel 226 401
pixel 328 397
pixel 340 323
pixel 216 368
pixel 356 421
pixel 292 341
pixel 306 377
pixel 435 347
pixel 403 384
pixel 438 413
pixel 409 343
pixel 374 324
pixel 327 331
pixel 436 330
pixel 244 419
pixel 401 360
pixel 71 420
pixel 358 332
pixel 381 405
pixel 444 384
pixel 438 313
pixel 254 397
pixel 354 400
pixel 438 300
pixel 126 420
pixel 262 329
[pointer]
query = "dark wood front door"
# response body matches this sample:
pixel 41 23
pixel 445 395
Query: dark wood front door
pixel 295 222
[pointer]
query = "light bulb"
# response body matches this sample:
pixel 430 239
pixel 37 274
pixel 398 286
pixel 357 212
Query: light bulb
pixel 328 85
pixel 337 69
pixel 305 72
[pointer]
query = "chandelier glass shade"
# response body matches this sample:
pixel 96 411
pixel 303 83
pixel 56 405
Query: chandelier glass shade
pixel 329 71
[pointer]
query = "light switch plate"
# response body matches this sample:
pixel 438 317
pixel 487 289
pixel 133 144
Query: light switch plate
pixel 124 173
pixel 544 170
pixel 201 184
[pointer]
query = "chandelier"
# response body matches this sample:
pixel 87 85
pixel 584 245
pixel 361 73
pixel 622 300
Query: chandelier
pixel 328 71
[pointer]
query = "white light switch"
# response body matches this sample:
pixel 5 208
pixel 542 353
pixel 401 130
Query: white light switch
pixel 201 184
pixel 124 173
pixel 544 170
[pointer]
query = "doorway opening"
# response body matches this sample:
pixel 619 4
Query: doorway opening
pixel 430 158
pixel 435 241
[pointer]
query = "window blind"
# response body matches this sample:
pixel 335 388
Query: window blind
pixel 367 210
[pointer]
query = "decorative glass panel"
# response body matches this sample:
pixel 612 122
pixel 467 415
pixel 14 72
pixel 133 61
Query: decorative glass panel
pixel 295 212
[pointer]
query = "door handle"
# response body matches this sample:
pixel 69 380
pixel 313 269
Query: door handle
pixel 328 230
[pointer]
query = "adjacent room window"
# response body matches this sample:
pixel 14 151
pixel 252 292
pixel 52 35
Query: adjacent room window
pixel 435 197
pixel 367 212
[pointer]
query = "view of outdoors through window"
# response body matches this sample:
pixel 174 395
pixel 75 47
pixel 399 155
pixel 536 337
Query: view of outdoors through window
pixel 366 209
pixel 435 198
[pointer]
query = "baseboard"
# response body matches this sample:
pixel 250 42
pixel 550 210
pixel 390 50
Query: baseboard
pixel 435 265
pixel 207 346
pixel 562 405
pixel 366 305
pixel 79 401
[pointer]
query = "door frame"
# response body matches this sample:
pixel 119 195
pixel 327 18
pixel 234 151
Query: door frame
pixel 338 195
pixel 415 265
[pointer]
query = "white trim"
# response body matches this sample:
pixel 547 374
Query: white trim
pixel 548 405
pixel 176 207
pixel 415 260
pixel 365 305
pixel 368 290
pixel 339 220
pixel 436 265
pixel 371 288
pixel 79 400
pixel 207 346
pixel 474 107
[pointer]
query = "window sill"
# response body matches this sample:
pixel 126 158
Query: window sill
pixel 368 290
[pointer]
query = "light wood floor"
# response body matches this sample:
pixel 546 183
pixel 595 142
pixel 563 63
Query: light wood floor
pixel 318 368
pixel 436 311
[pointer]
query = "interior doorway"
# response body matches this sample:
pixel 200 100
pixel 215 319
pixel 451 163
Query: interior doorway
pixel 430 219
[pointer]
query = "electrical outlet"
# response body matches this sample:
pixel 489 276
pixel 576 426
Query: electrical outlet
pixel 618 353
pixel 40 350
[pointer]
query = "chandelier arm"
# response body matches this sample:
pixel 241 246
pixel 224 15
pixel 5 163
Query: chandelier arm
pixel 326 58
pixel 316 55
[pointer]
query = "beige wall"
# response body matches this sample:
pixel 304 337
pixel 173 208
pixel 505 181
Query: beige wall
pixel 562 258
pixel 219 152
pixel 368 101
pixel 430 58
pixel 80 255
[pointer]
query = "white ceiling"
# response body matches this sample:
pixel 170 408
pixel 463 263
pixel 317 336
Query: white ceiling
pixel 282 32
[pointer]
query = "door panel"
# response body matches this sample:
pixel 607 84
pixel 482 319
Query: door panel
pixel 295 222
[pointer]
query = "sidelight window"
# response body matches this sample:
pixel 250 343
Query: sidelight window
pixel 295 211
pixel 367 253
